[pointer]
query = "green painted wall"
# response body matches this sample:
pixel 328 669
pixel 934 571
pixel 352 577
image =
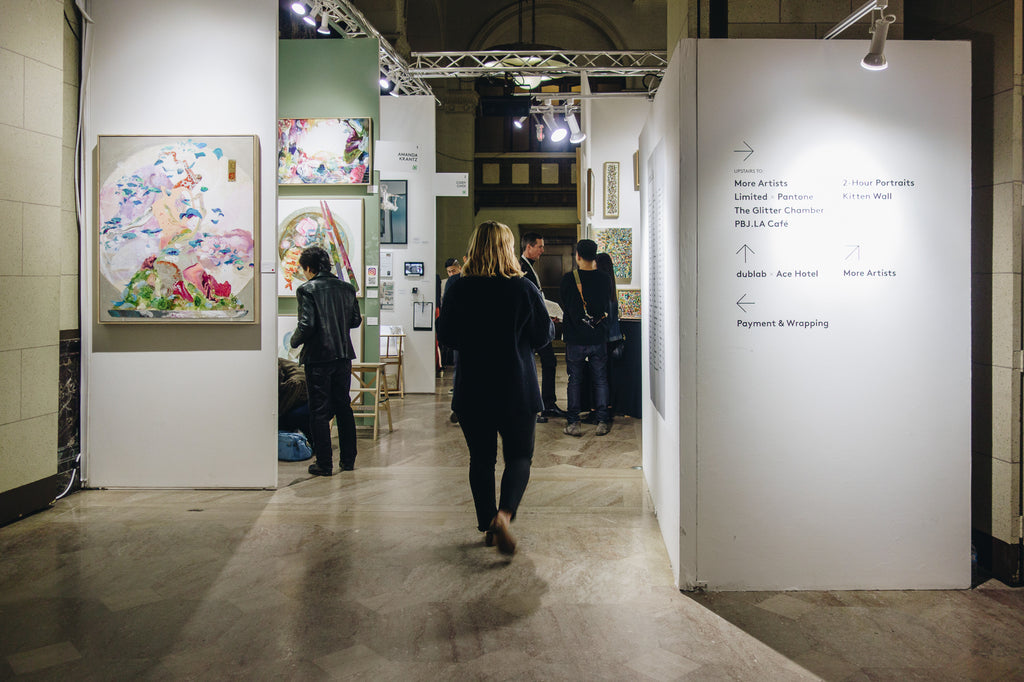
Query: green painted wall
pixel 335 78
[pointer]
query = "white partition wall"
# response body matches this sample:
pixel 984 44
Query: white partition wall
pixel 181 405
pixel 407 128
pixel 832 316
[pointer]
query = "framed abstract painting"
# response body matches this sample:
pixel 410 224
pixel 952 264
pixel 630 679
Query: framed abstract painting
pixel 334 224
pixel 177 236
pixel 617 242
pixel 324 151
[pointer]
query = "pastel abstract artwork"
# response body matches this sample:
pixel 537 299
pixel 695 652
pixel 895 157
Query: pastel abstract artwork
pixel 629 303
pixel 617 242
pixel 334 224
pixel 177 229
pixel 324 151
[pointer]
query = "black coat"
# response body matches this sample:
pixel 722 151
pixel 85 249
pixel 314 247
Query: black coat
pixel 328 311
pixel 597 289
pixel 495 323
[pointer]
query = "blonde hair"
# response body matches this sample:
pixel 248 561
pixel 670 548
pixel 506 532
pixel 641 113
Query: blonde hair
pixel 492 252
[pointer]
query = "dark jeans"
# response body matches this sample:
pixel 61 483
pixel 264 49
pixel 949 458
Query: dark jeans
pixel 547 375
pixel 481 432
pixel 580 359
pixel 328 385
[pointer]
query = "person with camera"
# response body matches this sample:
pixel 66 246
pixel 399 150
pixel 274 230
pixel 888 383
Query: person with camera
pixel 588 302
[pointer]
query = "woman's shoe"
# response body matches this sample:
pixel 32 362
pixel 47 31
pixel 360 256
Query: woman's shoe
pixel 489 538
pixel 503 536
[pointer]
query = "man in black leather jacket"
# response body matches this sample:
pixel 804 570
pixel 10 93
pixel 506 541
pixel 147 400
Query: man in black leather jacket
pixel 328 310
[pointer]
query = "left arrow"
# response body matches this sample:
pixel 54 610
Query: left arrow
pixel 748 151
pixel 742 303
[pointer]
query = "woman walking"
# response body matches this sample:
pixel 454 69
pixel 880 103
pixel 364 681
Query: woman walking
pixel 495 318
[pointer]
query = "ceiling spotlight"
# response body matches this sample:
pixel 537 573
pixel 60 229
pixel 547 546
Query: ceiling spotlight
pixel 385 84
pixel 324 28
pixel 298 8
pixel 540 132
pixel 576 135
pixel 874 60
pixel 309 19
pixel 558 133
pixel 519 121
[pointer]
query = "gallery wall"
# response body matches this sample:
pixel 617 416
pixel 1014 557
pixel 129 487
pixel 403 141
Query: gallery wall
pixel 830 415
pixel 181 405
pixel 325 79
pixel 613 135
pixel 668 207
pixel 407 131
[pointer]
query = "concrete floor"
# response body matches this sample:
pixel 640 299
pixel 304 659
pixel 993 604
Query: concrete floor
pixel 380 574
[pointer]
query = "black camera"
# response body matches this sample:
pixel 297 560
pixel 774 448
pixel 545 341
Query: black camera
pixel 589 321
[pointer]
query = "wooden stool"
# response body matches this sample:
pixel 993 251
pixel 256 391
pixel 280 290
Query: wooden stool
pixel 371 378
pixel 392 353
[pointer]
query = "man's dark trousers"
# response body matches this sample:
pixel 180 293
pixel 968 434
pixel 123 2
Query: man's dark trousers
pixel 547 376
pixel 328 385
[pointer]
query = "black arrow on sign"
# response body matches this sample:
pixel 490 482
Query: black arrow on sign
pixel 745 249
pixel 742 303
pixel 748 151
pixel 856 250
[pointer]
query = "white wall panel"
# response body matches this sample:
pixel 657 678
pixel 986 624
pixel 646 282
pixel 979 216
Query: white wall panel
pixel 833 316
pixel 173 406
pixel 409 122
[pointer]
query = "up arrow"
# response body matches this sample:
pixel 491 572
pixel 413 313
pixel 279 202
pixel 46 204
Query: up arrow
pixel 748 151
pixel 742 303
pixel 745 249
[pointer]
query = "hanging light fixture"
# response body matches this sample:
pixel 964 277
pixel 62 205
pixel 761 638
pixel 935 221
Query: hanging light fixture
pixel 324 28
pixel 575 134
pixel 298 8
pixel 874 60
pixel 557 132
pixel 519 121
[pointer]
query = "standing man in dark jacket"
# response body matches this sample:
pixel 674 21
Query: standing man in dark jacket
pixel 532 245
pixel 327 312
pixel 588 301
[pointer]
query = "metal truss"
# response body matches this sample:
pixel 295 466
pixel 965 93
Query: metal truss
pixel 409 80
pixel 551 63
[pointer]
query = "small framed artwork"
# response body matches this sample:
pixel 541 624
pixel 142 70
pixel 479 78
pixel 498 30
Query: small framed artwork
pixel 177 236
pixel 617 242
pixel 611 189
pixel 334 224
pixel 629 304
pixel 590 191
pixel 324 151
pixel 636 171
pixel 394 212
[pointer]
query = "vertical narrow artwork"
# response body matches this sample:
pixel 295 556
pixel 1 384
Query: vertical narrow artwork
pixel 611 189
pixel 324 151
pixel 636 171
pixel 629 303
pixel 590 192
pixel 177 229
pixel 334 224
pixel 617 242
pixel 394 212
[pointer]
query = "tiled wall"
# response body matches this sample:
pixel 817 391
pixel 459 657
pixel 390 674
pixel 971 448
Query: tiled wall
pixel 799 18
pixel 38 233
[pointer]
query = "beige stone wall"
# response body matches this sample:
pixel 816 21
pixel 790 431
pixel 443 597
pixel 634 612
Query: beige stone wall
pixel 38 233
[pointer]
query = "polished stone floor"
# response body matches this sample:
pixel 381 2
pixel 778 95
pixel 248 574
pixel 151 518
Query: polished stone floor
pixel 379 574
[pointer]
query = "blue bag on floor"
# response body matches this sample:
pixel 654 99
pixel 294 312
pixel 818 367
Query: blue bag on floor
pixel 292 447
